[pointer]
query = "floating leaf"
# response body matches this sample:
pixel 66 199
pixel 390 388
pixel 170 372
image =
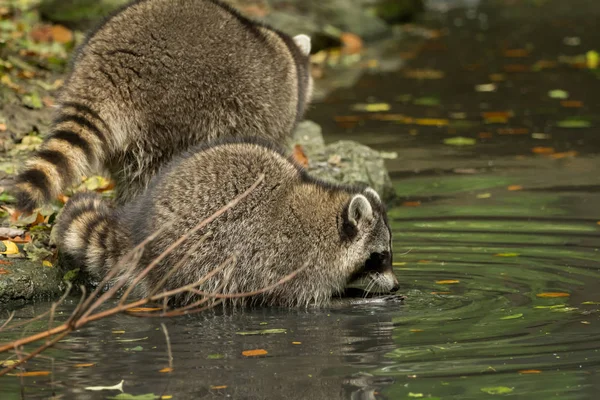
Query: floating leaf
pixel 411 203
pixel 424 73
pixel 565 154
pixel 32 373
pixel 551 307
pixel 553 294
pixel 447 282
pixel 218 387
pixel 460 141
pixel 166 370
pixel 296 342
pixel 513 131
pixel 10 248
pixel 558 94
pixel 514 316
pixel 591 303
pixel 507 255
pixel 262 332
pixel 84 365
pixel 486 87
pixel 542 150
pixel 571 103
pixel 484 195
pixel 427 101
pixel 131 340
pixel 530 371
pixel 215 356
pixel 497 390
pixel 514 188
pixel 432 121
pixel 372 107
pixel 136 348
pixel 592 58
pixel 118 386
pixel 411 394
pixel 254 353
pixel 574 123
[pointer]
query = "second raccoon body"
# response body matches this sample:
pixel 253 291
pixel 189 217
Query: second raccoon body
pixel 159 77
pixel 339 232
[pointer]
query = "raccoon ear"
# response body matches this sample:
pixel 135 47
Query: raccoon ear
pixel 303 42
pixel 359 210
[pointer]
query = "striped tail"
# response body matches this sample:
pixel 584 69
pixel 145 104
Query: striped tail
pixel 89 233
pixel 76 145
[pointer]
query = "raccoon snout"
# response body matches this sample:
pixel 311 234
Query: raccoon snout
pixel 379 267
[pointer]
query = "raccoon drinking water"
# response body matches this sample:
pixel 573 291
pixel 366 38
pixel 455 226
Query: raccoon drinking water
pixel 159 77
pixel 340 233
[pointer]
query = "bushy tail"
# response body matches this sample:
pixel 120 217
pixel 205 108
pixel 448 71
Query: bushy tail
pixel 89 233
pixel 76 145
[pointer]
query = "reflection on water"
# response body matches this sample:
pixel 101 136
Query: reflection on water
pixel 497 244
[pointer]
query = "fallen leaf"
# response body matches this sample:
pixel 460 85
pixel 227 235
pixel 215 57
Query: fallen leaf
pixel 431 121
pixel 591 303
pixel 85 365
pixel 166 397
pixel 47 264
pixel 417 330
pixel 558 94
pixel 411 203
pixel 484 195
pixel 296 342
pixel 542 150
pixel 352 43
pixel 8 363
pixel 42 33
pixel 574 123
pixel 428 101
pixel 586 322
pixel 530 371
pixel 32 373
pixel 136 348
pixel 514 316
pixel 371 107
pixel 165 370
pixel 424 74
pixel 6 262
pixel 497 390
pixel 571 103
pixel 218 387
pixel 486 87
pixel 447 282
pixel 215 356
pixel 118 332
pixel 553 294
pixel 131 340
pixel 565 154
pixel 262 332
pixel 254 353
pixel 514 188
pixel 507 255
pixel 11 248
pixel 411 394
pixel 4 271
pixel 460 141
pixel 592 59
pixel 513 131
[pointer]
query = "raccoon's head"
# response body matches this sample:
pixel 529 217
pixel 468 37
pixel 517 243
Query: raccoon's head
pixel 366 227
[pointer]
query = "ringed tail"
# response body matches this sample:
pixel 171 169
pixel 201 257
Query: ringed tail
pixel 75 146
pixel 88 232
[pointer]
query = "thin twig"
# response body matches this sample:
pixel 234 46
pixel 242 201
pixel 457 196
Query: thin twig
pixel 11 315
pixel 169 352
pixel 34 353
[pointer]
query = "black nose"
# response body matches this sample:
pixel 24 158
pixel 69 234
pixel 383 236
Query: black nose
pixel 395 288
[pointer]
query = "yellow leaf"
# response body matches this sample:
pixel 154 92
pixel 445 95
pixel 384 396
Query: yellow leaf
pixel 165 370
pixel 166 397
pixel 530 371
pixel 296 342
pixel 447 282
pixel 11 248
pixel 218 387
pixel 432 121
pixel 553 294
pixel 118 332
pixel 592 58
pixel 372 107
pixel 84 365
pixel 47 263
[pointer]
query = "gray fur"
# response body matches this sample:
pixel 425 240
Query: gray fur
pixel 159 77
pixel 290 220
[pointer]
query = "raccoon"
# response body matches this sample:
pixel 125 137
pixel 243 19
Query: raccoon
pixel 159 77
pixel 339 233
